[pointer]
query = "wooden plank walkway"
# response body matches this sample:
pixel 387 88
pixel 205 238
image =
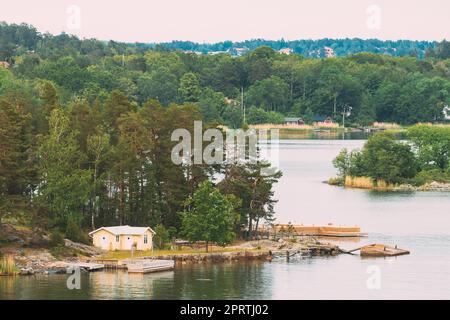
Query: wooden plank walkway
pixel 87 266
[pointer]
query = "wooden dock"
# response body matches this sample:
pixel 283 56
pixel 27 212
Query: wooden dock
pixel 88 266
pixel 378 250
pixel 149 265
pixel 381 250
pixel 322 231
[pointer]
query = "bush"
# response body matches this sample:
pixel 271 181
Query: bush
pixel 56 239
pixel 161 237
pixel 428 176
pixel 74 232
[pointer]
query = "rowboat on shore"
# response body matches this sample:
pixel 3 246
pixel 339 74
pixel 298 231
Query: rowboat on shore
pixel 150 265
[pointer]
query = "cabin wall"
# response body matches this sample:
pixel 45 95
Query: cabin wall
pixel 107 241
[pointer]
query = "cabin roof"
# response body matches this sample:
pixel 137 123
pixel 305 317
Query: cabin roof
pixel 124 230
pixel 291 119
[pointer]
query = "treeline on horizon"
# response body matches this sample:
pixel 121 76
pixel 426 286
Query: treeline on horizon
pixel 378 87
pixel 312 48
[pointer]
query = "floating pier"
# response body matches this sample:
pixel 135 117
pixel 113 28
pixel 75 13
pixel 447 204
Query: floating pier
pixel 329 230
pixel 379 250
pixel 149 265
pixel 87 266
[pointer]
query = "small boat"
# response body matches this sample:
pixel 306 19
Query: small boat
pixel 381 250
pixel 149 265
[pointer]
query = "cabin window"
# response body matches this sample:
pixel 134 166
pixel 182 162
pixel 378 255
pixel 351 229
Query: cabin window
pixel 117 238
pixel 145 239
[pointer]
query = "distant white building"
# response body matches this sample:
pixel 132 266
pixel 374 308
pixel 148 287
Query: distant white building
pixel 286 51
pixel 213 53
pixel 238 52
pixel 193 52
pixel 446 112
pixel 329 52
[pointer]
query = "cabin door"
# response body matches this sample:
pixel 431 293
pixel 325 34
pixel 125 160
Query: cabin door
pixel 104 243
pixel 128 242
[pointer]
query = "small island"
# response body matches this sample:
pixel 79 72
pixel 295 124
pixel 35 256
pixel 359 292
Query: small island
pixel 385 163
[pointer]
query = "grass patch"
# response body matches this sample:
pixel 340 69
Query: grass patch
pixel 368 183
pixel 335 181
pixel 8 266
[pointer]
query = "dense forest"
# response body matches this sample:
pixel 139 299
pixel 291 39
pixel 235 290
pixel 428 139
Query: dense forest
pixel 378 87
pixel 85 125
pixel 80 147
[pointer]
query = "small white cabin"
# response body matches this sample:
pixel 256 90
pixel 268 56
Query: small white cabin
pixel 123 238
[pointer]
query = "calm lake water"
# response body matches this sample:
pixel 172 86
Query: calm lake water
pixel 419 222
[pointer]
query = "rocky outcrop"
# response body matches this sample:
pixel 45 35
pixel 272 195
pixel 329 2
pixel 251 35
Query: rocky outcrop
pixel 83 248
pixel 10 235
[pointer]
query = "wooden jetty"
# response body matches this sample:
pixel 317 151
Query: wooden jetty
pixel 379 250
pixel 149 265
pixel 323 249
pixel 88 266
pixel 329 230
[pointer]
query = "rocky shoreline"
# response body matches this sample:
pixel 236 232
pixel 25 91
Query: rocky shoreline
pixel 428 187
pixel 433 186
pixel 30 260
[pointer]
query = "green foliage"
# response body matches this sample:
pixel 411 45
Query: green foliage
pixel 252 184
pixel 256 116
pixel 433 145
pixel 210 218
pixel 343 163
pixel 381 158
pixel 391 87
pixel 56 239
pixel 428 176
pixel 189 88
pixel 233 117
pixel 162 236
pixel 389 160
pixel 212 105
pixel 74 232
pixel 67 186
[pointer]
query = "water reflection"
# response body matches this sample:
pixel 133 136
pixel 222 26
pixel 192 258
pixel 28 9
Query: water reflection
pixel 122 285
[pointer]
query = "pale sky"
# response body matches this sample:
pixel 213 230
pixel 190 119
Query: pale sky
pixel 214 20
